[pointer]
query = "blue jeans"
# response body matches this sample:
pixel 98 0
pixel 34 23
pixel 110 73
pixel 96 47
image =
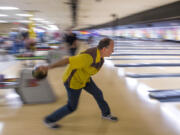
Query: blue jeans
pixel 73 98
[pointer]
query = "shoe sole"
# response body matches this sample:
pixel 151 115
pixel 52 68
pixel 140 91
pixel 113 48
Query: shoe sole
pixel 50 126
pixel 109 119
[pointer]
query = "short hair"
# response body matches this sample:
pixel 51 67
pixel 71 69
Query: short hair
pixel 104 43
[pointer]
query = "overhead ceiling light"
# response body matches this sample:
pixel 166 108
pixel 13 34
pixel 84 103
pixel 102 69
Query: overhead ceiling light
pixel 9 8
pixel 53 27
pixel 1 21
pixel 38 30
pixel 174 24
pixel 85 16
pixel 3 15
pixel 24 21
pixel 1 126
pixel 67 3
pixel 46 22
pixel 37 19
pixel 37 24
pixel 23 29
pixel 24 15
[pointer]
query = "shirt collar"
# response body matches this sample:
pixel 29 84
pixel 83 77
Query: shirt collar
pixel 98 57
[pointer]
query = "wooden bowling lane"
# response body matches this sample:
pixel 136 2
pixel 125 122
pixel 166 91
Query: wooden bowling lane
pixel 9 100
pixel 142 46
pixel 157 50
pixel 146 48
pixel 144 57
pixel 122 42
pixel 143 85
pixel 135 116
pixel 162 47
pixel 144 61
pixel 10 68
pixel 158 83
pixel 152 70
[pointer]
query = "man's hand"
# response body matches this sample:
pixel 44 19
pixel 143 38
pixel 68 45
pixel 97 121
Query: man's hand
pixel 40 72
pixel 44 69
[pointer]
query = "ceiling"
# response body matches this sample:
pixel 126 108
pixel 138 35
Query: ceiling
pixel 89 13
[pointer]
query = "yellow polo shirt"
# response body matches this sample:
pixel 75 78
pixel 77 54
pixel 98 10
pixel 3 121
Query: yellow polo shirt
pixel 79 70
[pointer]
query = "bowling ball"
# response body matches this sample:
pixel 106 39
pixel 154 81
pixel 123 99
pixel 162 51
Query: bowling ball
pixel 38 73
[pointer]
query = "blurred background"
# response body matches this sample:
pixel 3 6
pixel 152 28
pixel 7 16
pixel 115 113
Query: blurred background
pixel 145 63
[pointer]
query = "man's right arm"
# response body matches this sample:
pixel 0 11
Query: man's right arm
pixel 60 63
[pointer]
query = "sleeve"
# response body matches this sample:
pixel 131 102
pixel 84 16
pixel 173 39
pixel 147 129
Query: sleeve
pixel 80 61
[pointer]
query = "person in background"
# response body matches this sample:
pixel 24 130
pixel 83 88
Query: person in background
pixel 30 44
pixel 71 42
pixel 90 40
